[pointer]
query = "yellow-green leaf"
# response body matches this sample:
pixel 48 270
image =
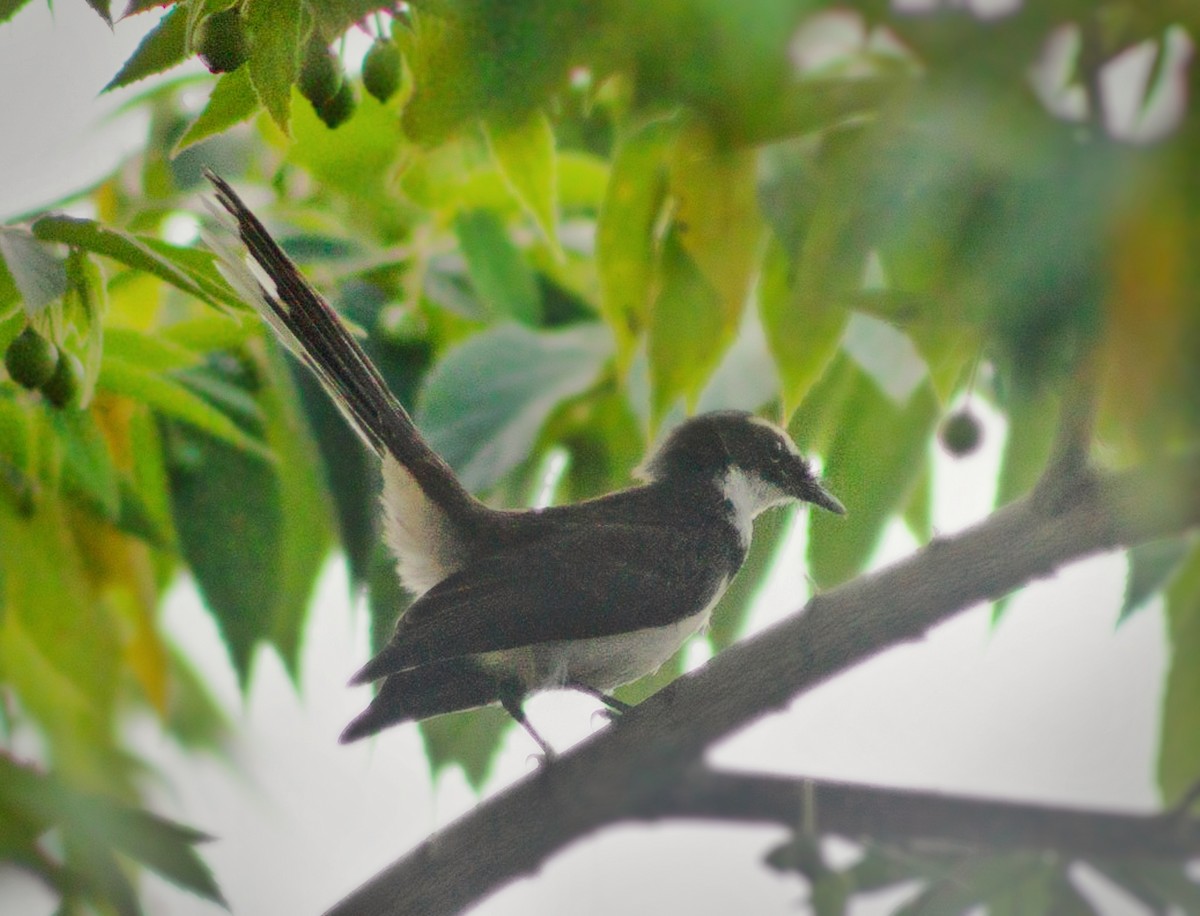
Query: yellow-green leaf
pixel 274 30
pixel 232 101
pixel 524 154
pixel 1179 748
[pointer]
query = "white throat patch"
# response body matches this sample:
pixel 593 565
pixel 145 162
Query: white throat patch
pixel 748 495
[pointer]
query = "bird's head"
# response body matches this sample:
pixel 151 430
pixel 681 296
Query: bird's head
pixel 752 460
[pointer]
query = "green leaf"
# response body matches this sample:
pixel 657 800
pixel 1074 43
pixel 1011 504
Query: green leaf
pixel 802 331
pixel 688 331
pixel 152 256
pixel 717 219
pixel 163 47
pixel 153 352
pixel 9 8
pixel 84 307
pixel 874 459
pixel 171 398
pixel 1032 424
pixel 524 154
pixel 470 739
pixel 38 274
pixel 502 278
pixel 484 404
pixel 626 245
pixel 274 31
pixel 233 100
pixel 633 693
pixel 1179 748
pixel 918 510
pixel 87 472
pixel 1151 566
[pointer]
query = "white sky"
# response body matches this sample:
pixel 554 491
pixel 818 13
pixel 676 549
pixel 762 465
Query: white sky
pixel 1055 705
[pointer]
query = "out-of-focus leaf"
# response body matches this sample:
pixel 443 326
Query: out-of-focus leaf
pixel 103 9
pixel 633 693
pixel 874 459
pixel 87 468
pixel 1151 566
pixel 273 28
pixel 170 398
pixel 470 739
pixel 192 715
pixel 1032 423
pixel 689 330
pixel 9 8
pixel 729 616
pixel 39 275
pixel 803 331
pixel 305 535
pixel 154 352
pixel 502 278
pixel 164 46
pixel 717 220
pixel 626 247
pixel 1179 746
pixel 484 429
pixel 233 100
pixel 918 512
pixel 524 154
pixel 1165 883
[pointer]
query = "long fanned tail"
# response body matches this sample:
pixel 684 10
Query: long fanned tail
pixel 312 330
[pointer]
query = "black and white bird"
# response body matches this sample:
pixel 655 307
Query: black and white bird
pixel 586 596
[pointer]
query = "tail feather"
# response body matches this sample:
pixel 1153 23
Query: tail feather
pixel 311 329
pixel 419 693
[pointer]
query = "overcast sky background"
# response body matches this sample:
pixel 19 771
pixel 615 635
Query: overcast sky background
pixel 1054 705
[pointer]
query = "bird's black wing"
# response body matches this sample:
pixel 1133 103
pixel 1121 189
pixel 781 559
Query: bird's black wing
pixel 583 582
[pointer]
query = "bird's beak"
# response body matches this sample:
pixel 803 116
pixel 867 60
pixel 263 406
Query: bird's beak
pixel 819 496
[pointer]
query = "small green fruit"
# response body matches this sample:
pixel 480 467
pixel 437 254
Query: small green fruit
pixel 960 433
pixel 321 74
pixel 221 41
pixel 30 359
pixel 339 108
pixel 381 69
pixel 65 386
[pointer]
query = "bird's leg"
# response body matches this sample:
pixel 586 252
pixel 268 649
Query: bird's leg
pixel 617 706
pixel 511 701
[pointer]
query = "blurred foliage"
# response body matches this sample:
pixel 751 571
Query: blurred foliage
pixel 571 223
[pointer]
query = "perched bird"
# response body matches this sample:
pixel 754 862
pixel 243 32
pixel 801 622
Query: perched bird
pixel 586 596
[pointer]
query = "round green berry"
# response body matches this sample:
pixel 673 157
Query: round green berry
pixel 339 108
pixel 961 433
pixel 321 74
pixel 30 359
pixel 381 69
pixel 65 387
pixel 221 41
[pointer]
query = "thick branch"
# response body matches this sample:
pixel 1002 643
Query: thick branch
pixel 897 815
pixel 619 773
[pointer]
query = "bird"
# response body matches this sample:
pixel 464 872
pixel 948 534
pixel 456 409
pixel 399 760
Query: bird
pixel 509 602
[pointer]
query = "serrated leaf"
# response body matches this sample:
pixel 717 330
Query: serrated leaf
pixel 470 739
pixel 171 398
pixel 153 256
pixel 486 430
pixel 103 9
pixel 1151 566
pixel 874 459
pixel 163 47
pixel 626 246
pixel 717 219
pixel 1179 744
pixel 38 274
pixel 273 28
pixel 232 101
pixel 524 153
pixel 499 272
pixel 688 331
pixel 803 332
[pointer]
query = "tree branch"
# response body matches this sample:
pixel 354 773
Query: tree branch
pixel 898 815
pixel 624 771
